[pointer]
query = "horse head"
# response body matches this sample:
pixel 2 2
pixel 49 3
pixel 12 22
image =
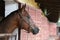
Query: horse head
pixel 26 22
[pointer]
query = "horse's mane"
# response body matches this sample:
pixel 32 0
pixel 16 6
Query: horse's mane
pixel 11 14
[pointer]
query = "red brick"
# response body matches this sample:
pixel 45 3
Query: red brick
pixel 46 28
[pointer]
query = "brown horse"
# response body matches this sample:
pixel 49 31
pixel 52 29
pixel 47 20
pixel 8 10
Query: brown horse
pixel 19 18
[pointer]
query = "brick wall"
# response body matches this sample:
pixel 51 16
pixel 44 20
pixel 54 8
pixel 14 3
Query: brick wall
pixel 46 28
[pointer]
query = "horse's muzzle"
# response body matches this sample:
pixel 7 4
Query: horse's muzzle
pixel 35 30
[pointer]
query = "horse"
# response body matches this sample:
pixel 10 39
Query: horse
pixel 18 19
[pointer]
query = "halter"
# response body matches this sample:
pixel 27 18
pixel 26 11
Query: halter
pixel 26 19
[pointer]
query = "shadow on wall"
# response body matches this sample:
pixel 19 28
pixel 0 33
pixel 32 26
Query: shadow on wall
pixel 53 17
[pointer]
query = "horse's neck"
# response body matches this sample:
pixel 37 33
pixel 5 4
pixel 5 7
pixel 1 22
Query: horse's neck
pixel 10 22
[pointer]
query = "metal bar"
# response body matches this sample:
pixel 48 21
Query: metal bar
pixel 19 6
pixel 19 28
pixel 15 37
pixel 7 34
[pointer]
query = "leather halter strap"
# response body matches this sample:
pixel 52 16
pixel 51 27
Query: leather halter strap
pixel 26 19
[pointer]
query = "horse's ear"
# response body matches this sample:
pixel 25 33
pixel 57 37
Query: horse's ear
pixel 23 7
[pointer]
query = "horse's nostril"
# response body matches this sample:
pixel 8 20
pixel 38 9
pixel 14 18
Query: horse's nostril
pixel 35 30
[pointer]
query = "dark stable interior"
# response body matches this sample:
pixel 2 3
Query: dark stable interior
pixel 53 8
